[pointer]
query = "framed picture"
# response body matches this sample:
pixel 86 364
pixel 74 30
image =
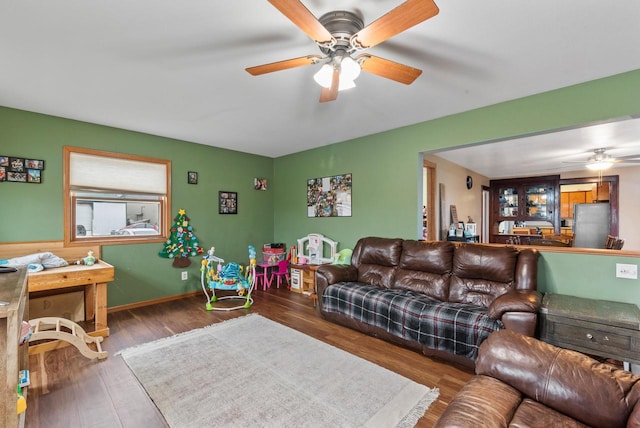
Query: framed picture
pixel 21 170
pixel 470 228
pixel 34 164
pixel 16 164
pixel 329 196
pixel 33 176
pixel 227 202
pixel 18 177
pixel 192 177
pixel 260 183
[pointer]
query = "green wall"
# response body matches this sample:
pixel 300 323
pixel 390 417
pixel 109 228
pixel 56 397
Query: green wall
pixel 33 212
pixel 386 175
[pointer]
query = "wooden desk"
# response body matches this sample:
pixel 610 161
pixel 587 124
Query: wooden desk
pixel 13 293
pixel 92 279
pixel 596 327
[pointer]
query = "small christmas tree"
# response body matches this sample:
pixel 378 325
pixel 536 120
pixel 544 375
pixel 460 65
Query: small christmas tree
pixel 182 243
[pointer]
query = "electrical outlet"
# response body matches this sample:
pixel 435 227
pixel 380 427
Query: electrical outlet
pixel 185 276
pixel 626 271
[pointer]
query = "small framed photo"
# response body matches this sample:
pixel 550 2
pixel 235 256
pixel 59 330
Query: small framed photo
pixel 18 177
pixel 260 183
pixel 3 173
pixel 4 161
pixel 227 202
pixel 34 164
pixel 471 228
pixel 34 176
pixel 16 164
pixel 192 177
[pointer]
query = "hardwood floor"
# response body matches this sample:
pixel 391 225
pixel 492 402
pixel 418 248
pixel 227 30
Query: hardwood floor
pixel 71 391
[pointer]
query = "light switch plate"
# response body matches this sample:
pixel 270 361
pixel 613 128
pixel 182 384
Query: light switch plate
pixel 626 271
pixel 185 276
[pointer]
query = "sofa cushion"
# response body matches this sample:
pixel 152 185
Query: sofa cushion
pixel 376 260
pixel 482 402
pixel 535 415
pixel 455 328
pixel 425 267
pixel 481 273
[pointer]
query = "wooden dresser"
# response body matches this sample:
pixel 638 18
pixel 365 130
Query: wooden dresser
pixel 13 358
pixel 595 327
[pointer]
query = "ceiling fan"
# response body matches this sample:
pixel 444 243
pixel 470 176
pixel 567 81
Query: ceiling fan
pixel 601 160
pixel 339 34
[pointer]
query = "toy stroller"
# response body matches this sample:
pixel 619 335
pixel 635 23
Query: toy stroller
pixel 216 276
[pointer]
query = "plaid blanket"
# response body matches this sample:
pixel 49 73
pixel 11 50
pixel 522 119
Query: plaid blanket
pixel 452 327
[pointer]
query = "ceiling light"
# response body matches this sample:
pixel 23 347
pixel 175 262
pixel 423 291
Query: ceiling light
pixel 349 71
pixel 324 75
pixel 599 165
pixel 346 84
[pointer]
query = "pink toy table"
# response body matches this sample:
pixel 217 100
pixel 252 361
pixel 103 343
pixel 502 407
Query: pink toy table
pixel 265 275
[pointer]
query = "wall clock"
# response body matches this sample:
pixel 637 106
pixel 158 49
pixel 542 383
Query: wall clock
pixel 469 182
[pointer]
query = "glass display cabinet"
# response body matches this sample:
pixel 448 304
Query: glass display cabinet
pixel 520 200
pixel 508 202
pixel 537 202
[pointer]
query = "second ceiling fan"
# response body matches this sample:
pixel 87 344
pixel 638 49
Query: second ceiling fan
pixel 339 34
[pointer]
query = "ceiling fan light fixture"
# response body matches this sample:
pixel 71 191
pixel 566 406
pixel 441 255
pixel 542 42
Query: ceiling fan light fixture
pixel 324 75
pixel 346 84
pixel 350 69
pixel 349 72
pixel 600 165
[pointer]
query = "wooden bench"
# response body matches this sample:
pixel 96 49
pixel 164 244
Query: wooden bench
pixel 91 279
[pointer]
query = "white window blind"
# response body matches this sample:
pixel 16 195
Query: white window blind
pixel 100 172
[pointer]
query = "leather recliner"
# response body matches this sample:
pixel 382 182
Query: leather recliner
pixel 523 382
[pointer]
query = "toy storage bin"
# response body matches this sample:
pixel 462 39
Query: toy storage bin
pixel 273 256
pixel 273 253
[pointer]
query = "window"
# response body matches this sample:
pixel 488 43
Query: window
pixel 115 198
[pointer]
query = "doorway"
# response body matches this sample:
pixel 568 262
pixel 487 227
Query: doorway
pixel 429 218
pixel 484 221
pixel 596 190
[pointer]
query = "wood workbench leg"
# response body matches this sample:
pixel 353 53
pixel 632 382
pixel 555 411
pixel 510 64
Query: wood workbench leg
pixel 101 307
pixel 89 302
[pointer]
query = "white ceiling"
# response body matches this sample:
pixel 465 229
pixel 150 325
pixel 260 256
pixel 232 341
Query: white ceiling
pixel 551 152
pixel 176 68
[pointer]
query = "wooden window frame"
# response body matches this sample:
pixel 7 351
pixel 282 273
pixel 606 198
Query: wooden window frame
pixel 70 232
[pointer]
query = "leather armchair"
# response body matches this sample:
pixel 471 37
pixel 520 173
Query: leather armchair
pixel 523 382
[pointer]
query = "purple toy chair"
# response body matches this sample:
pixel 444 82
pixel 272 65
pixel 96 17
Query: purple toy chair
pixel 283 270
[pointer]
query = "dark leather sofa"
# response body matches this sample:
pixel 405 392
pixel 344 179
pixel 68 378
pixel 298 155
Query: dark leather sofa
pixel 523 382
pixel 440 298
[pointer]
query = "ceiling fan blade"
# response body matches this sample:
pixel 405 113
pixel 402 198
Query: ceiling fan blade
pixel 283 65
pixel 629 157
pixel 403 17
pixel 388 69
pixel 331 93
pixel 304 19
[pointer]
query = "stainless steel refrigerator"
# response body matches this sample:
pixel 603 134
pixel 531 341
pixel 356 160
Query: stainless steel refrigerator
pixel 591 225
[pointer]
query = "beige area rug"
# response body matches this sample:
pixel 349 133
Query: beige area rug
pixel 253 372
